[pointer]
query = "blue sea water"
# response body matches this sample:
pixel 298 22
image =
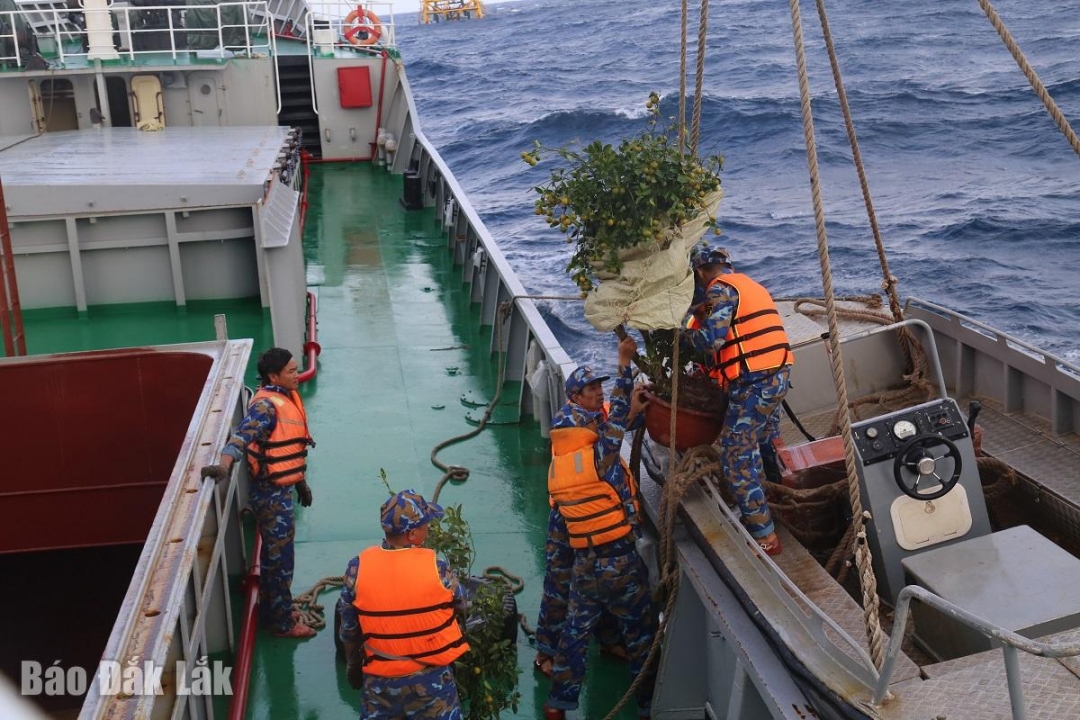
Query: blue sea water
pixel 976 191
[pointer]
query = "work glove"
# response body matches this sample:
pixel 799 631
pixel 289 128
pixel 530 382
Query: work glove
pixel 303 493
pixel 354 671
pixel 218 472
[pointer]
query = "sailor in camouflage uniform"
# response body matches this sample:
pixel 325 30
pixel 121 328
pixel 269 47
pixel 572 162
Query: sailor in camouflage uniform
pixel 397 620
pixel 595 495
pixel 274 438
pixel 559 562
pixel 739 327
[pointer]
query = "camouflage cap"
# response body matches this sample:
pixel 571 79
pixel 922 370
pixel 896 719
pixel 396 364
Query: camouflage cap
pixel 705 254
pixel 408 510
pixel 581 377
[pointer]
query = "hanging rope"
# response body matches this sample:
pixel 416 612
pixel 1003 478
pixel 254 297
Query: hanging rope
pixel 875 635
pixel 703 24
pixel 682 80
pixel 888 283
pixel 1030 74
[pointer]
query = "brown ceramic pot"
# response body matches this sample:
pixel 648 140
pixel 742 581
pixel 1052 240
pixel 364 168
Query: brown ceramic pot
pixel 692 427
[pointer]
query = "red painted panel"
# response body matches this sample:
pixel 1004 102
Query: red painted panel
pixel 354 87
pixel 90 441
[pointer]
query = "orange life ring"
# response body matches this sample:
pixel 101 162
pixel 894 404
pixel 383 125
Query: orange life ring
pixel 365 22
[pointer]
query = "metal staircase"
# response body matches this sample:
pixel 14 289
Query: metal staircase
pixel 290 17
pixel 294 75
pixel 50 18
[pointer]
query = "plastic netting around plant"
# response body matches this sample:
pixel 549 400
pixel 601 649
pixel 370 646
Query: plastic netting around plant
pixel 655 286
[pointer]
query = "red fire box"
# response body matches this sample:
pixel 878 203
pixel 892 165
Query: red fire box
pixel 354 87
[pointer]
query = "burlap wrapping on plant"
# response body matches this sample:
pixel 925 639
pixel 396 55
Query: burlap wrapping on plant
pixel 655 287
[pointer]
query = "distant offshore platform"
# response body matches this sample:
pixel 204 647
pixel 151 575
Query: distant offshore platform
pixel 440 10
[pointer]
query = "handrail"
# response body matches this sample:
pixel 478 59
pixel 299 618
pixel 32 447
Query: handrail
pixel 256 19
pixel 529 311
pixel 312 349
pixel 935 359
pixel 249 625
pixel 277 66
pixel 1011 640
pixel 309 30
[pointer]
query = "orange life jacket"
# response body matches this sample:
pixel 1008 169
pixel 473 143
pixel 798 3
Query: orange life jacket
pixel 593 511
pixel 757 340
pixel 406 614
pixel 283 456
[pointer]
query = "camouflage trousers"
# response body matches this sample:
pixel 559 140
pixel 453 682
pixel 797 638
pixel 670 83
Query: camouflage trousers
pixel 425 695
pixel 556 594
pixel 752 421
pixel 618 584
pixel 273 508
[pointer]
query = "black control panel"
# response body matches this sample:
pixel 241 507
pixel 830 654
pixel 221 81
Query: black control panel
pixel 881 438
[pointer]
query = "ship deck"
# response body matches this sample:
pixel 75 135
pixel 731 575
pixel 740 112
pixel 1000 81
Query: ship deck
pixel 404 361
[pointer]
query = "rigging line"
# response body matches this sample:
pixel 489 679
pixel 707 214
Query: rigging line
pixel 682 81
pixel 888 283
pixel 1031 75
pixel 677 482
pixel 703 25
pixel 870 604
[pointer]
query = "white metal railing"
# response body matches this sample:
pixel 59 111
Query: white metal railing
pixel 1012 643
pixel 241 28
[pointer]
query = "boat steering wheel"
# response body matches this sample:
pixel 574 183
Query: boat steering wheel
pixel 915 462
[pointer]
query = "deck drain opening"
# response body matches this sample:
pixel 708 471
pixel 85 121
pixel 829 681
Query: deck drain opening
pixel 151 613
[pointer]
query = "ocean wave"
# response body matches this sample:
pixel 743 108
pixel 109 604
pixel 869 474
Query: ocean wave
pixel 973 184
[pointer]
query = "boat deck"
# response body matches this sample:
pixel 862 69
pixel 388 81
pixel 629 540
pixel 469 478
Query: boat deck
pixel 972 687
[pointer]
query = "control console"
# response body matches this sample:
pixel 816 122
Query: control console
pixel 882 438
pixel 919 479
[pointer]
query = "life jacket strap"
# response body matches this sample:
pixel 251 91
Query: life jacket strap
pixel 375 654
pixel 411 611
pixel 418 633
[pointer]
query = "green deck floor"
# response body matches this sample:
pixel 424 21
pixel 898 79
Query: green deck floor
pixel 394 321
